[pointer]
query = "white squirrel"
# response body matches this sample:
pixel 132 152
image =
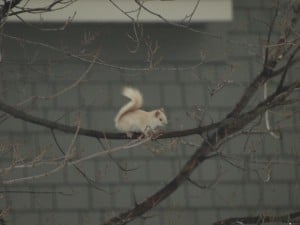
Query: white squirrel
pixel 131 118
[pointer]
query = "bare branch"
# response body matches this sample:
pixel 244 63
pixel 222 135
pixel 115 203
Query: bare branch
pixel 98 60
pixel 270 33
pixel 8 5
pixel 113 159
pixel 54 6
pixel 291 218
pixel 288 64
pixel 69 160
pixel 101 134
pixel 69 155
pixel 193 12
pixel 202 153
pixel 65 89
pixel 95 133
pixel 89 180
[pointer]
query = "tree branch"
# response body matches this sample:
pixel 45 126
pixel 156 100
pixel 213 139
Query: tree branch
pixel 291 218
pixel 207 148
pixel 269 34
pixel 283 76
pixel 19 114
pixel 6 7
pixel 109 135
pixel 47 8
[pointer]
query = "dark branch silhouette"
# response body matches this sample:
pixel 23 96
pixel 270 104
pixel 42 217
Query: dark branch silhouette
pixel 19 114
pixel 207 148
pixel 14 7
pixel 6 7
pixel 291 218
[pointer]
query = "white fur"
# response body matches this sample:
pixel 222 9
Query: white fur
pixel 131 118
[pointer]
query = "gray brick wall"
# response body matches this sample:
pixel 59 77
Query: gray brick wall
pixel 66 198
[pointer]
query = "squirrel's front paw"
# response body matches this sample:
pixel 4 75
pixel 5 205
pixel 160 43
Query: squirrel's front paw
pixel 155 135
pixel 129 134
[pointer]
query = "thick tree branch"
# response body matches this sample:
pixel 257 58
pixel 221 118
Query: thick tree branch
pixel 291 218
pixel 6 7
pixel 207 148
pixel 199 156
pixel 19 114
pixel 267 74
pixel 271 60
pixel 249 92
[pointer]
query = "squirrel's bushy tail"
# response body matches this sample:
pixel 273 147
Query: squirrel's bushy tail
pixel 136 102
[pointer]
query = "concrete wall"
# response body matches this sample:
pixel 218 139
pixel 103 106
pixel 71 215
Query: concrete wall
pixel 29 69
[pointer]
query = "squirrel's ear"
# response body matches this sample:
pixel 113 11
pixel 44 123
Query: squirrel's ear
pixel 156 113
pixel 162 110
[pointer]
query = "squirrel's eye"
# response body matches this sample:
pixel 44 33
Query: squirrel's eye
pixel 160 119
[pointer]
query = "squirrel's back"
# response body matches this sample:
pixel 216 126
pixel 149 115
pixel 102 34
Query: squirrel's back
pixel 135 103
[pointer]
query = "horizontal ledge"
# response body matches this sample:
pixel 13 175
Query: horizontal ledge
pixel 105 11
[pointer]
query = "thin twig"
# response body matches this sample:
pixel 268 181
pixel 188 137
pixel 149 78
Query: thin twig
pixel 193 11
pixel 88 179
pixel 131 144
pixel 65 89
pixel 98 60
pixel 68 157
pixel 113 159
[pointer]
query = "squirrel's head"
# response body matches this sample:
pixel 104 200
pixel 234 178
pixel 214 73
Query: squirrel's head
pixel 160 116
